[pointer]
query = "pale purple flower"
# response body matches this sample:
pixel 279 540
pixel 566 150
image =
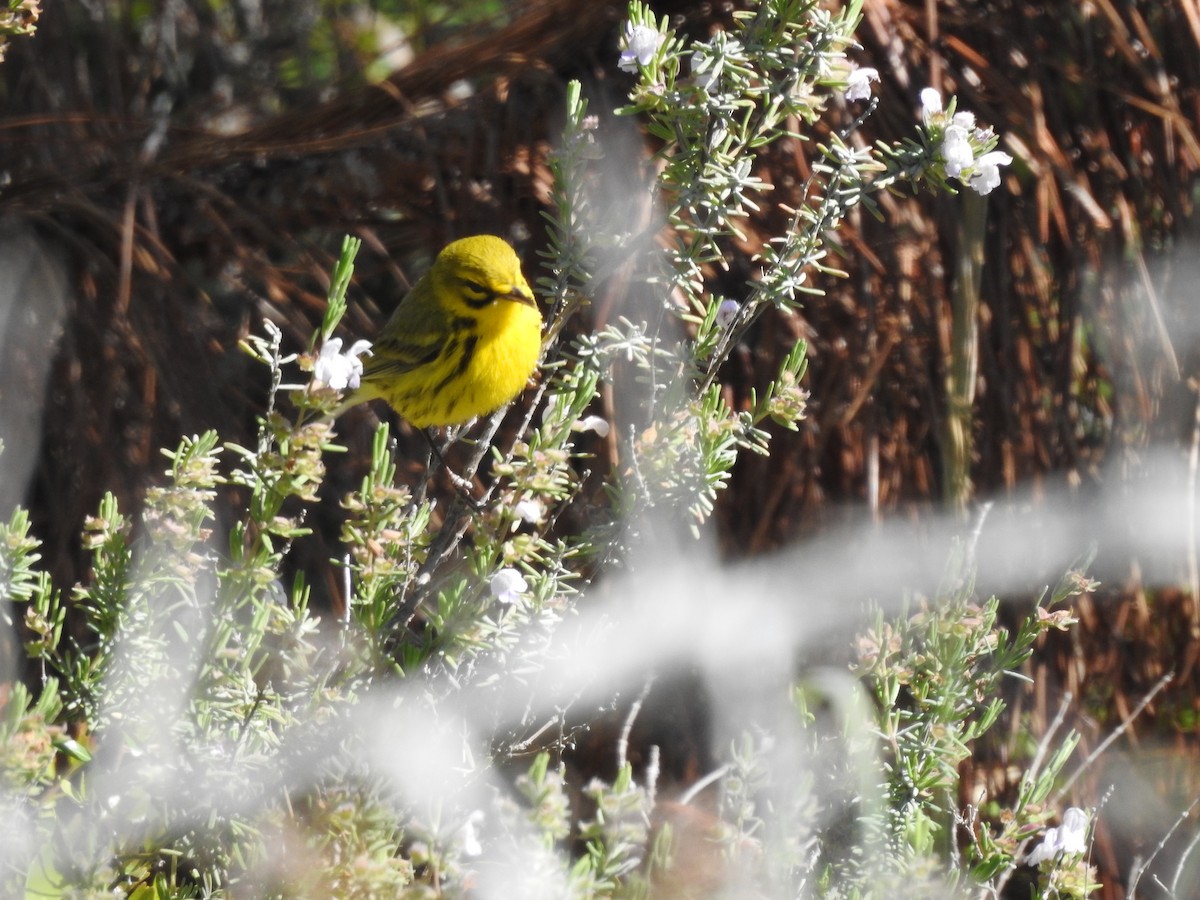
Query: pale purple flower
pixel 641 43
pixel 1068 839
pixel 727 312
pixel 858 83
pixel 337 369
pixel 987 171
pixel 507 585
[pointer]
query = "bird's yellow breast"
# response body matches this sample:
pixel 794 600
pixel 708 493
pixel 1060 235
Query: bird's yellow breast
pixel 505 355
pixel 480 368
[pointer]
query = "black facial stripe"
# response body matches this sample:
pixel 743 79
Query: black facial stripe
pixel 461 324
pixel 479 302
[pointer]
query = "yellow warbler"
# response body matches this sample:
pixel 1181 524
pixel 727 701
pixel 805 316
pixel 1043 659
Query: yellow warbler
pixel 462 343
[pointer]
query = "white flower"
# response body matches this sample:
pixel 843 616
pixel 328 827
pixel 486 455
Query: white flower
pixel 956 150
pixel 641 43
pixel 1068 839
pixel 964 120
pixel 1073 831
pixel 507 585
pixel 1046 850
pixel 727 312
pixel 931 103
pixel 987 171
pixel 858 83
pixel 530 510
pixel 337 369
pixel 592 423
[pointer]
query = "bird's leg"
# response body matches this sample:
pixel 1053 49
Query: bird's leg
pixel 461 485
pixel 422 487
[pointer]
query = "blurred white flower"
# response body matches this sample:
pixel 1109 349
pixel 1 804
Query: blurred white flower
pixel 507 585
pixel 641 43
pixel 1068 839
pixel 931 103
pixel 469 834
pixel 460 90
pixel 987 171
pixel 337 369
pixel 597 424
pixel 530 510
pixel 1073 831
pixel 727 312
pixel 858 83
pixel 956 150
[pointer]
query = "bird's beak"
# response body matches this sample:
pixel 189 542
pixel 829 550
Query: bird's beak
pixel 521 294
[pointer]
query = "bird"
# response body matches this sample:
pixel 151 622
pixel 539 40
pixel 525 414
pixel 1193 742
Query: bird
pixel 462 343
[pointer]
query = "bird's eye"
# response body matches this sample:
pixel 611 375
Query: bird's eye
pixel 475 287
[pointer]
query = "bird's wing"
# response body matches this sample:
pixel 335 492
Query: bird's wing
pixel 412 337
pixel 395 356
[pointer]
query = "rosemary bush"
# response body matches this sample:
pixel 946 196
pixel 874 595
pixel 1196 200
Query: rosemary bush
pixel 205 733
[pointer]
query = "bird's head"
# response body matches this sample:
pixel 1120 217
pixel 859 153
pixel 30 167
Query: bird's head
pixel 474 274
